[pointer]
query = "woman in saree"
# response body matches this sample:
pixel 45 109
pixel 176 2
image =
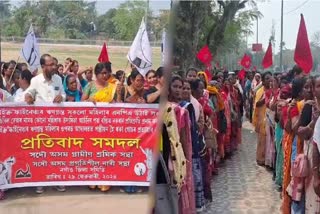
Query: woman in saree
pixel 270 96
pixel 315 146
pixel 255 85
pixel 259 118
pixel 236 107
pixel 171 148
pixel 292 146
pixel 284 94
pixel 100 90
pixel 131 93
pixel 178 90
pixel 312 201
pixel 198 87
pixel 197 125
pixel 227 115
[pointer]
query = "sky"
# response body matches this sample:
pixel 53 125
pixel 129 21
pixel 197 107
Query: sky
pixel 271 10
pixel 155 5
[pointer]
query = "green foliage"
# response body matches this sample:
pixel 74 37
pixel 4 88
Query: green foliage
pixel 106 25
pixel 128 18
pixel 72 19
pixel 222 25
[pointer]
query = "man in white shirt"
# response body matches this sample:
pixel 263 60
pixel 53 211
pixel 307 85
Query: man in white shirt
pixel 46 87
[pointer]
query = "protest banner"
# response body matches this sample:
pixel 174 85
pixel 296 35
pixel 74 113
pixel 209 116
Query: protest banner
pixel 76 144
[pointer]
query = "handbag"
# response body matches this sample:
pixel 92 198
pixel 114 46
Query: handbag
pixel 300 166
pixel 166 194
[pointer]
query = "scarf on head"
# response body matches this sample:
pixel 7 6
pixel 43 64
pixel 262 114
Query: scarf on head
pixel 214 91
pixel 75 94
pixel 205 76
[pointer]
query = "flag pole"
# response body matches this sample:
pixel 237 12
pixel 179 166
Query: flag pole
pixel 281 40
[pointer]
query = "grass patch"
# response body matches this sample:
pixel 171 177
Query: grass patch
pixel 86 55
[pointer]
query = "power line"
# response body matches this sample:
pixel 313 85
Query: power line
pixel 297 7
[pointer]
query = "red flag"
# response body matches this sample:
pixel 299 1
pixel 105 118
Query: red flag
pixel 104 54
pixel 246 61
pixel 205 56
pixel 242 74
pixel 302 53
pixel 267 59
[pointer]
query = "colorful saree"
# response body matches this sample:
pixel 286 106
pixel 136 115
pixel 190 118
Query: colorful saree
pixel 186 199
pixel 288 141
pixel 197 147
pixel 258 120
pixel 106 95
pixel 227 113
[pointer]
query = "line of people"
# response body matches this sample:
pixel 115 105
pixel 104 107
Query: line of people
pixel 201 128
pixel 67 83
pixel 286 120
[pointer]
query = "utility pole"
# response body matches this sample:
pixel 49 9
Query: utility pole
pixel 257 40
pixel 281 39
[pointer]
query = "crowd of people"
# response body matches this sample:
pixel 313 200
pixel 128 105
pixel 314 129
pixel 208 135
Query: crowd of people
pixel 202 121
pixel 201 129
pixel 68 83
pixel 284 112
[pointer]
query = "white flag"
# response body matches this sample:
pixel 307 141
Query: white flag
pixel 140 53
pixel 30 50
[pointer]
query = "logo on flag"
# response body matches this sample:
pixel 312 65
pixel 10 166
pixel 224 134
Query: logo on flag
pixel 30 50
pixel 140 53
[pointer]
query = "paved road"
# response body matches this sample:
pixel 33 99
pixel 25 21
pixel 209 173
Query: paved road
pixel 243 187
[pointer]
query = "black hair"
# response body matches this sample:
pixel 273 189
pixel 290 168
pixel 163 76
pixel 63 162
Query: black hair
pixel 119 74
pixel 26 75
pixel 191 69
pixel 297 87
pixel 174 78
pixel 194 85
pixel 60 65
pixel 264 75
pixel 43 59
pixel 159 72
pixel 12 62
pixel 108 66
pixel 296 70
pixel 16 74
pixel 5 67
pixel 1 83
pixel 100 66
pixel 133 76
pixel 151 71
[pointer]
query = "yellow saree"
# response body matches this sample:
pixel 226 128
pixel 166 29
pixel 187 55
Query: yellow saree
pixel 258 120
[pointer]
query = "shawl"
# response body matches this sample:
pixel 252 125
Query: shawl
pixel 177 156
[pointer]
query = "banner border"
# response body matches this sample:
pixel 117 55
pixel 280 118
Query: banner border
pixel 82 104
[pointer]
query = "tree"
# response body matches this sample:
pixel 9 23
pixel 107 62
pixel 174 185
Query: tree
pixel 219 24
pixel 128 18
pixel 106 25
